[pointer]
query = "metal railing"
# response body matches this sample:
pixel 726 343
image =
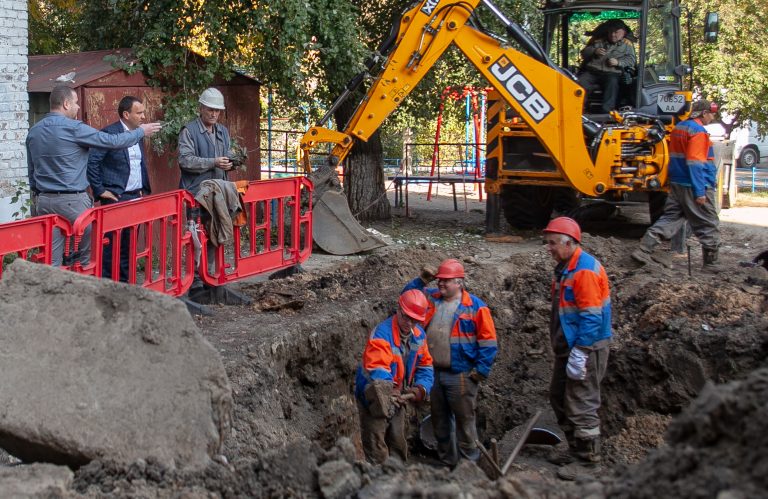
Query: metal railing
pixel 752 179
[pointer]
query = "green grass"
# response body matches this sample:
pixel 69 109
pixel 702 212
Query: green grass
pixel 752 198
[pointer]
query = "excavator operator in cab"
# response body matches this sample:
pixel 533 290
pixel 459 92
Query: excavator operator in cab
pixel 606 59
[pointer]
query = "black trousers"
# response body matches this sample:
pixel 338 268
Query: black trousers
pixel 607 82
pixel 125 241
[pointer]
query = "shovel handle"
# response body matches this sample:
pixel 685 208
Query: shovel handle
pixel 521 442
pixel 488 456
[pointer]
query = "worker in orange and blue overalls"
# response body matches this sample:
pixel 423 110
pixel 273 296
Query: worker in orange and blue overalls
pixel 462 341
pixel 580 333
pixel 396 370
pixel 692 188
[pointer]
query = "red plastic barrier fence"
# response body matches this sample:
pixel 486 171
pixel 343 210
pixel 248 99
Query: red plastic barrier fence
pixel 32 239
pixel 161 253
pixel 278 232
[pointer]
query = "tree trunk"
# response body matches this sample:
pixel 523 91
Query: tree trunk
pixel 407 159
pixel 364 174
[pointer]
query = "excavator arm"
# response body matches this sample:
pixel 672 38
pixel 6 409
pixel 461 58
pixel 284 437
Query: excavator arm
pixel 548 99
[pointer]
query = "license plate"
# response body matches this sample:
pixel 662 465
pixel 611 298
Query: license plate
pixel 671 103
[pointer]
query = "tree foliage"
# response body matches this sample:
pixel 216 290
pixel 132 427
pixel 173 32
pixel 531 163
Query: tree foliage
pixel 180 45
pixel 733 71
pixel 53 26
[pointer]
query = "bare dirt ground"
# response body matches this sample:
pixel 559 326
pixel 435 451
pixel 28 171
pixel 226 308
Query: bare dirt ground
pixel 291 359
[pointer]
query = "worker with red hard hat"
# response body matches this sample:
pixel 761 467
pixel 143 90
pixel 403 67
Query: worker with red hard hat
pixel 580 333
pixel 396 370
pixel 462 341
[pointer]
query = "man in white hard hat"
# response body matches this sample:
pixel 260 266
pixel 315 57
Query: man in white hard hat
pixel 204 145
pixel 204 150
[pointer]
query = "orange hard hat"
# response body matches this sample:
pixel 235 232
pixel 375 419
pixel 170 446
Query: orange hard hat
pixel 565 225
pixel 449 269
pixel 414 304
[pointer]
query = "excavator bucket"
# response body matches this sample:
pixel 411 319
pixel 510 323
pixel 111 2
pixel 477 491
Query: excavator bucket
pixel 336 231
pixel 334 228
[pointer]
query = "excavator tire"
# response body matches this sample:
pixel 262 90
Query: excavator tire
pixel 531 206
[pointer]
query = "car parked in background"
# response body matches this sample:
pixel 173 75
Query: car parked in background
pixel 749 147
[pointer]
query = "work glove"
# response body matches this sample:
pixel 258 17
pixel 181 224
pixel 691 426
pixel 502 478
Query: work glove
pixel 476 376
pixel 577 364
pixel 427 274
pixel 419 393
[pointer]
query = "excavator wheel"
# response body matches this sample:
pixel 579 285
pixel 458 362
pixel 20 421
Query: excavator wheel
pixel 531 206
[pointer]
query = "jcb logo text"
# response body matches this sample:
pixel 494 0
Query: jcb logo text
pixel 521 89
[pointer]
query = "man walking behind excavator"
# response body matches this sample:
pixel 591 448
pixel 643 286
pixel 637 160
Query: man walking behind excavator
pixel 692 188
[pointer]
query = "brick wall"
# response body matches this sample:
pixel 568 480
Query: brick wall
pixel 14 101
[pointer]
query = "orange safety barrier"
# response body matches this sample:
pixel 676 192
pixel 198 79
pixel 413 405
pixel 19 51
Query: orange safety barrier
pixel 161 254
pixel 278 233
pixel 32 239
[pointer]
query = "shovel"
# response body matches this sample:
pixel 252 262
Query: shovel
pixel 537 436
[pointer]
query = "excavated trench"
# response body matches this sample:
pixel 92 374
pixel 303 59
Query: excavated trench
pixel 291 360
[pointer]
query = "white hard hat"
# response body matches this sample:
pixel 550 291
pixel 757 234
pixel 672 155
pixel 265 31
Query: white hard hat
pixel 212 98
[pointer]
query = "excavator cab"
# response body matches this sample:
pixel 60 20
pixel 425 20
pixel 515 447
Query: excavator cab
pixel 650 96
pixel 654 33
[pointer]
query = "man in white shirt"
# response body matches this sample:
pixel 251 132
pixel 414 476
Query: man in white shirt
pixel 120 175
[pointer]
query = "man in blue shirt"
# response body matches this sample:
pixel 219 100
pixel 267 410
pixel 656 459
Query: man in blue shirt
pixel 57 157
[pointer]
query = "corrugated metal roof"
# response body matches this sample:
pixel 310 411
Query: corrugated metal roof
pixel 87 66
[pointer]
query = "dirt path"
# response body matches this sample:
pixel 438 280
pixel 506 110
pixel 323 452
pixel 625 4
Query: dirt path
pixel 291 359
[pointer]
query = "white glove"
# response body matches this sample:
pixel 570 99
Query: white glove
pixel 577 364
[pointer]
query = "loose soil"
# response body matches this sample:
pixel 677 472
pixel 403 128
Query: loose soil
pixel 291 359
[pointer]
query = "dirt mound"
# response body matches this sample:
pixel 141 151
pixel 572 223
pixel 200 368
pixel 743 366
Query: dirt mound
pixel 718 447
pixel 286 471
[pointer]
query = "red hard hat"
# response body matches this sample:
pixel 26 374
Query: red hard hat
pixel 449 269
pixel 565 225
pixel 414 304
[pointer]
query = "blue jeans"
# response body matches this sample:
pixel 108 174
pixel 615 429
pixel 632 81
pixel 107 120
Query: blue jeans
pixel 454 395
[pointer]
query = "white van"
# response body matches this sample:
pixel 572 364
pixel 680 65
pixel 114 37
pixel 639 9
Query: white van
pixel 749 148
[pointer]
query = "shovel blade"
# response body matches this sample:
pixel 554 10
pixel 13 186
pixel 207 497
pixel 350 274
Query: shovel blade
pixel 537 436
pixel 336 231
pixel 542 436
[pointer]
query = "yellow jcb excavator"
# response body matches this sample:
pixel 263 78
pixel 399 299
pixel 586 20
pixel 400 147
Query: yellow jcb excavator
pixel 543 139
